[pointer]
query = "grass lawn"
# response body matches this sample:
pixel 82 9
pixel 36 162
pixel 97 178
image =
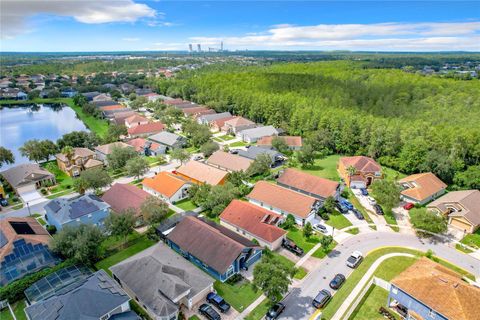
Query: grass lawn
pixel 472 240
pixel 60 194
pixel 338 221
pixel 459 247
pixel 185 204
pixel 392 174
pixel 226 137
pixel 239 296
pixel 192 149
pixel 64 181
pixel 17 308
pixel 42 221
pixel 390 219
pixel 301 272
pixel 259 312
pixel 353 231
pixel 194 318
pixel 238 144
pixel 5 314
pixel 325 168
pixel 375 298
pixel 297 236
pixel 321 253
pixel 391 267
pixel 141 244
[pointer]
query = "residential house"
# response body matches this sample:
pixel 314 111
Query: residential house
pixel 168 139
pixel 237 124
pixel 429 291
pixel 292 142
pixel 152 96
pixel 218 124
pixel 365 170
pixel 253 152
pixel 216 249
pixel 123 197
pixel 284 201
pixel 83 209
pixel 119 117
pixel 147 148
pixel 102 152
pixel 229 162
pixel 167 186
pixel 196 112
pixel 162 281
pixel 94 296
pixel 110 111
pixel 187 105
pixel 24 248
pixel 200 173
pixel 4 83
pixel 142 91
pixel 167 225
pixel 106 103
pixel 254 134
pixel 102 97
pixel 28 177
pixel 207 118
pixel 310 185
pixel 421 188
pixel 135 120
pixel 174 102
pixel 461 207
pixel 91 95
pixel 145 130
pixel 254 222
pixel 127 88
pixel 81 159
pixel 68 93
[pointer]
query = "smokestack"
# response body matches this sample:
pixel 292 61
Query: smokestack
pixel 199 47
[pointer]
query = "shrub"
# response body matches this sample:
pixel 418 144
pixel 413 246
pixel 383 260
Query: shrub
pixel 235 279
pixel 44 191
pixel 51 229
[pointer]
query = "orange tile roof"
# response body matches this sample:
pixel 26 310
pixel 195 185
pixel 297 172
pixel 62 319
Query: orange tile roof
pixel 135 119
pixel 229 161
pixel 202 172
pixel 139 143
pixel 282 198
pixel 440 289
pixel 361 163
pixel 152 127
pixel 424 185
pixel 291 141
pixel 220 122
pixel 164 183
pixel 114 107
pixel 259 222
pixel 239 121
pixel 308 183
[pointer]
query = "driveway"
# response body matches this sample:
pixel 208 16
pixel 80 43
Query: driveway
pixel 378 220
pixel 403 219
pixel 32 197
pixel 299 300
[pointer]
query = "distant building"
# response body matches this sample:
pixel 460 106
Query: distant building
pixel 81 159
pixel 292 142
pixel 207 118
pixel 145 130
pixel 201 173
pixel 237 124
pixel 365 170
pixel 254 134
pixel 103 151
pixel 83 209
pixel 168 139
pixel 167 186
pixel 229 162
pixel 310 185
pixel 123 197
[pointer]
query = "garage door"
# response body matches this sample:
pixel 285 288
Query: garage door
pixel 460 224
pixel 26 189
pixel 357 184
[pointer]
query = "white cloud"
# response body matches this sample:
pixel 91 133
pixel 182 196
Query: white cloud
pixel 15 13
pixel 393 36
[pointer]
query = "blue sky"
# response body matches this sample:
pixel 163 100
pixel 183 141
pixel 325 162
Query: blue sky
pixel 117 25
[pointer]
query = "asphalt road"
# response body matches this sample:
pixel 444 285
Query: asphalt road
pixel 298 301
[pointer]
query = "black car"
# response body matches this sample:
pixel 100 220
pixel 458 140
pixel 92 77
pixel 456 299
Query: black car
pixel 378 209
pixel 337 281
pixel 358 214
pixel 208 312
pixel 218 302
pixel 3 202
pixel 292 247
pixel 342 208
pixel 275 311
pixel 322 298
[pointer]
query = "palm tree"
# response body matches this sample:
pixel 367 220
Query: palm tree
pixel 68 151
pixel 351 170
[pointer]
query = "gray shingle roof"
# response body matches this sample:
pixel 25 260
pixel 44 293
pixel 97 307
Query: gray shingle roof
pixel 166 138
pixel 215 116
pixel 253 152
pixel 25 174
pixel 259 132
pixel 65 210
pixel 159 277
pixel 95 297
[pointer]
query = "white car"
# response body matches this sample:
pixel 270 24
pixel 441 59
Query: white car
pixel 320 228
pixel 354 260
pixel 371 201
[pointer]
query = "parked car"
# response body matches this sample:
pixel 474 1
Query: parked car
pixel 337 281
pixel 378 209
pixel 408 206
pixel 371 201
pixel 342 208
pixel 292 247
pixel 275 311
pixel 198 158
pixel 208 312
pixel 358 214
pixel 346 204
pixel 3 202
pixel 233 151
pixel 364 191
pixel 322 298
pixel 354 260
pixel 320 228
pixel 218 302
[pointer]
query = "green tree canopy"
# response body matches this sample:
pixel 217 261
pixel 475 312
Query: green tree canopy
pixel 424 219
pixel 137 167
pixel 272 277
pixel 180 155
pixel 208 148
pixel 118 158
pixel 95 178
pixel 120 224
pixel 154 210
pixel 260 166
pixel 387 193
pixel 6 156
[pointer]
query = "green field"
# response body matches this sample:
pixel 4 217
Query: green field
pixel 472 240
pixel 239 296
pixel 186 205
pixel 338 221
pixel 324 167
pixel 238 144
pixel 259 312
pixel 297 236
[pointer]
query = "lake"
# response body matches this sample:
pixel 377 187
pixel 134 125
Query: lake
pixel 21 123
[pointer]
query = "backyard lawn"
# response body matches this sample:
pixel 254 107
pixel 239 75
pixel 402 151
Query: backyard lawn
pixel 226 137
pixel 238 144
pixel 472 240
pixel 324 167
pixel 17 308
pixel 338 221
pixel 375 298
pixel 239 295
pixel 186 205
pixel 320 253
pixel 64 181
pixel 259 312
pixel 297 236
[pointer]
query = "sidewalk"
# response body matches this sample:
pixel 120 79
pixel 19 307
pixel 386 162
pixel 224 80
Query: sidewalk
pixel 361 284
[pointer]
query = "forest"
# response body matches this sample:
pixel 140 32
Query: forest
pixel 406 121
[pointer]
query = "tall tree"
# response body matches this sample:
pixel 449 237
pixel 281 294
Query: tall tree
pixel 137 167
pixel 38 150
pixel 261 165
pixel 180 155
pixel 208 148
pixel 154 210
pixel 387 193
pixel 6 156
pixel 118 158
pixel 79 139
pixel 121 224
pixel 114 132
pixel 306 156
pixel 272 277
pixel 424 219
pixel 96 178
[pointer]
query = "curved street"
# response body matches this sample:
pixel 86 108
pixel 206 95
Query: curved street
pixel 298 301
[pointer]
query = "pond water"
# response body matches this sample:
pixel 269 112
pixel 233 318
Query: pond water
pixel 21 123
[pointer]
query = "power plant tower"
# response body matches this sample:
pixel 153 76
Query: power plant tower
pixel 199 47
pixel 190 47
pixel 221 46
